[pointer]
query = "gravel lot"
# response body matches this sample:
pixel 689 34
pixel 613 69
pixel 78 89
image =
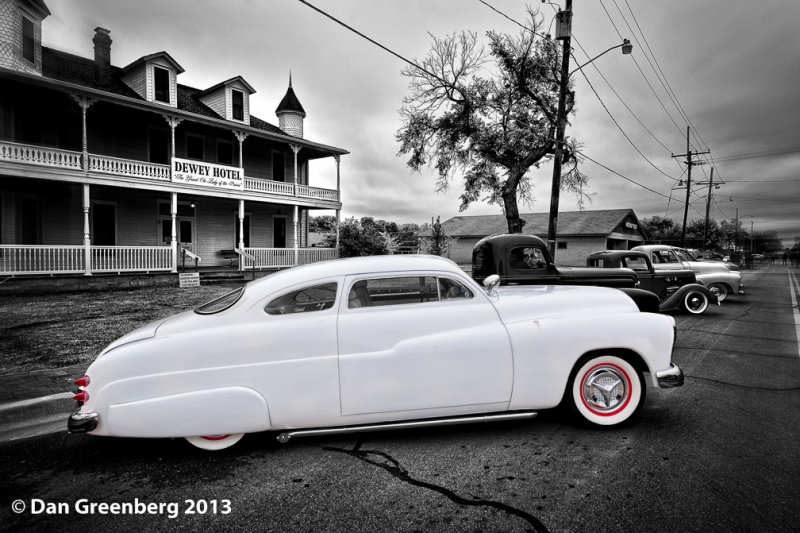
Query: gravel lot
pixel 51 331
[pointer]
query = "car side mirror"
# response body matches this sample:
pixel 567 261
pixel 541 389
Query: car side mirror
pixel 491 282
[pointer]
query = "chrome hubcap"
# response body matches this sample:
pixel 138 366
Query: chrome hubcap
pixel 604 389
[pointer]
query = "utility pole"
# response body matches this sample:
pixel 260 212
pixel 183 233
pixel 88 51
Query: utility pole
pixel 688 155
pixel 561 121
pixel 708 208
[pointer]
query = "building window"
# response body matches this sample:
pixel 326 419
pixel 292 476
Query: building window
pixel 28 40
pixel 562 246
pixel 225 152
pixel 104 224
pixel 161 84
pixel 158 146
pixel 237 98
pixel 278 167
pixel 195 148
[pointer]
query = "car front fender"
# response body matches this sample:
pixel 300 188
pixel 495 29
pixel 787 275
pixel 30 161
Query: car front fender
pixel 215 411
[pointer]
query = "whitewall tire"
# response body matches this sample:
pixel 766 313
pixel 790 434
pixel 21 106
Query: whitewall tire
pixel 606 391
pixel 695 302
pixel 215 442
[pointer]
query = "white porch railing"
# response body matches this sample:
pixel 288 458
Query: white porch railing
pixel 316 193
pixel 131 258
pixel 37 155
pixel 33 259
pixel 129 167
pixel 275 187
pixel 284 257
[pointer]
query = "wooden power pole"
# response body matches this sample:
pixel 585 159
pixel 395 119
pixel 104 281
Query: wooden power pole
pixel 688 155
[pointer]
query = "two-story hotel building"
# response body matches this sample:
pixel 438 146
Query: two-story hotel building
pixel 124 169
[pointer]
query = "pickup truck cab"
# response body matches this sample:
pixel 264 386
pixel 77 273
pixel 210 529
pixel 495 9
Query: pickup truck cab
pixel 675 289
pixel 524 260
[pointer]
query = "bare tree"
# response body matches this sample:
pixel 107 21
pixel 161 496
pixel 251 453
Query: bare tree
pixel 490 115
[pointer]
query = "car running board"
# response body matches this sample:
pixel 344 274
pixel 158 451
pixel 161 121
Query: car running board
pixel 286 436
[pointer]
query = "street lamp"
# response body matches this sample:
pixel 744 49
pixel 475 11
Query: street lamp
pixel 564 32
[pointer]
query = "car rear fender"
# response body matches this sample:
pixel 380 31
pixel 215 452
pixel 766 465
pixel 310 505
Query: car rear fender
pixel 675 300
pixel 215 411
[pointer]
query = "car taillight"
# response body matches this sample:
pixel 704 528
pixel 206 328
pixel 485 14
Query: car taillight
pixel 82 382
pixel 81 397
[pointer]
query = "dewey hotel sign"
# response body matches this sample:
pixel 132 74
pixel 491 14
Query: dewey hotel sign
pixel 200 173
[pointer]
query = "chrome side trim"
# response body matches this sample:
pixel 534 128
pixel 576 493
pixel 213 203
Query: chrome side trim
pixel 286 436
pixel 671 377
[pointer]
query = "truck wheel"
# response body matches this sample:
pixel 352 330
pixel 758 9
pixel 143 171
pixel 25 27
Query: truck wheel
pixel 720 290
pixel 695 302
pixel 606 390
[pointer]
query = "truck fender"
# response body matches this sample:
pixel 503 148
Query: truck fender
pixel 217 411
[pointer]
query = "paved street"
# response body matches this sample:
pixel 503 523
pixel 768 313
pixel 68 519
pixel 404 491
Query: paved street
pixel 719 454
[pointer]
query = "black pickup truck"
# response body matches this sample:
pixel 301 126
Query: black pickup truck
pixel 524 260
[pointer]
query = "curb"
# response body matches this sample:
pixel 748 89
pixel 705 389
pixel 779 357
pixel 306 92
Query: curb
pixel 37 416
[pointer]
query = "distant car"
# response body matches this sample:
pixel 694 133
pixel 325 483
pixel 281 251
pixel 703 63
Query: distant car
pixel 694 255
pixel 676 289
pixel 374 343
pixel 716 276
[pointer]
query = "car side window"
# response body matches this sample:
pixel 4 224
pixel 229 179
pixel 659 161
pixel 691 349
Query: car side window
pixel 305 300
pixel 637 263
pixel 393 291
pixel 527 258
pixel 452 290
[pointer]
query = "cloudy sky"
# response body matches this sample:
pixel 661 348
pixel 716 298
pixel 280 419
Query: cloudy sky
pixel 729 68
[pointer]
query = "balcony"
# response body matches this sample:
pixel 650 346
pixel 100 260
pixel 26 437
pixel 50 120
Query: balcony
pixel 108 167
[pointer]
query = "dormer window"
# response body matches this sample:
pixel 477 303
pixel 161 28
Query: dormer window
pixel 161 84
pixel 237 98
pixel 28 40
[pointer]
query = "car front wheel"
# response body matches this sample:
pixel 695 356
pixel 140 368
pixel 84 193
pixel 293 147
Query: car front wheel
pixel 606 390
pixel 720 290
pixel 695 302
pixel 215 442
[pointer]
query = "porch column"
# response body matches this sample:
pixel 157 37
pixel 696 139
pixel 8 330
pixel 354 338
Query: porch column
pixel 87 239
pixel 296 237
pixel 337 157
pixel 174 213
pixel 295 148
pixel 240 136
pixel 85 102
pixel 173 123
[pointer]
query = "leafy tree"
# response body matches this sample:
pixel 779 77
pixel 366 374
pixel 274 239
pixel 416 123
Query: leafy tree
pixel 439 242
pixel 362 237
pixel 662 230
pixel 766 242
pixel 493 124
pixel 322 224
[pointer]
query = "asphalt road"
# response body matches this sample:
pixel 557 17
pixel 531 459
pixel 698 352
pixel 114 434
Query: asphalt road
pixel 719 454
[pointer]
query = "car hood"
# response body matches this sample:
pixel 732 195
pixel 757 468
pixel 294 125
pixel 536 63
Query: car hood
pixel 703 267
pixel 551 301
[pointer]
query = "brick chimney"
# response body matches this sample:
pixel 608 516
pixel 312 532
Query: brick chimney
pixel 102 56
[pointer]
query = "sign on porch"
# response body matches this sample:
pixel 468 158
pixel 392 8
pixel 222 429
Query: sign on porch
pixel 189 279
pixel 202 174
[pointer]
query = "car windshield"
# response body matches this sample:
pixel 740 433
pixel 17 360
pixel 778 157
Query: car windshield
pixel 221 303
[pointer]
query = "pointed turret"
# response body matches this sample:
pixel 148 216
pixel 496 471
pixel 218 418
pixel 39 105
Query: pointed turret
pixel 291 113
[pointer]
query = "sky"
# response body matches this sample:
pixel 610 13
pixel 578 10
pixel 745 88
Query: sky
pixel 728 69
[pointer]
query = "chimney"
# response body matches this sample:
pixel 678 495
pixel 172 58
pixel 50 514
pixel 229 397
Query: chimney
pixel 102 56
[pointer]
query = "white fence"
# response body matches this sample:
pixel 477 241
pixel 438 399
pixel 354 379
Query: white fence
pixel 37 259
pixel 128 167
pixel 36 155
pixel 285 257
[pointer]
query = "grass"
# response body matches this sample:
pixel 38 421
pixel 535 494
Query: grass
pixel 55 330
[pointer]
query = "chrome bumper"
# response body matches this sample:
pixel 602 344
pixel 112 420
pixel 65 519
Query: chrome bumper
pixel 671 377
pixel 81 422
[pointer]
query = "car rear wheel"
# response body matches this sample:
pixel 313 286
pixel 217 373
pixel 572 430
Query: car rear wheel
pixel 606 390
pixel 215 442
pixel 720 290
pixel 695 302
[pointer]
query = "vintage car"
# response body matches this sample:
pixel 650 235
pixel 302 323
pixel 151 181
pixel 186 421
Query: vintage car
pixel 676 289
pixel 718 278
pixel 525 260
pixel 374 343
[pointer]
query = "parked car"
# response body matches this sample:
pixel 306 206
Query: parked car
pixel 676 289
pixel 525 260
pixel 688 254
pixel 719 280
pixel 374 343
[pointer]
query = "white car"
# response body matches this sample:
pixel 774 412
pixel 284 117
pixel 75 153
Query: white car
pixel 719 279
pixel 374 343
